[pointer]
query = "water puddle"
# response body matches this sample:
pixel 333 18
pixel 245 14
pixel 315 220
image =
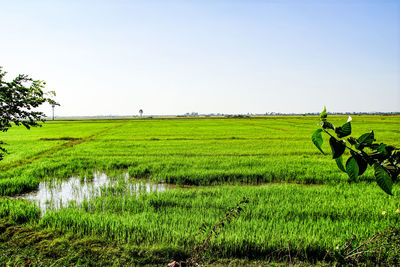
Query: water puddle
pixel 56 194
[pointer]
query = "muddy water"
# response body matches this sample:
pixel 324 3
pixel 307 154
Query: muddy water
pixel 56 194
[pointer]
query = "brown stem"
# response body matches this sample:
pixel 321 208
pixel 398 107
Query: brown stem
pixel 360 252
pixel 363 244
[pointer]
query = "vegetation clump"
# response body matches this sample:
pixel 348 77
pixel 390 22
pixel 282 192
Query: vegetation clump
pixel 382 249
pixel 364 151
pixel 18 99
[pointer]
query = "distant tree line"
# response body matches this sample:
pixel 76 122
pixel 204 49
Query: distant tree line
pixel 248 115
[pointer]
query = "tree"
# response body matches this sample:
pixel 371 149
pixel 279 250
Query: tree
pixel 364 151
pixel 18 99
pixel 141 112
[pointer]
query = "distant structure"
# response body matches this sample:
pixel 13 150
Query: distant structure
pixel 192 114
pixel 52 106
pixel 141 112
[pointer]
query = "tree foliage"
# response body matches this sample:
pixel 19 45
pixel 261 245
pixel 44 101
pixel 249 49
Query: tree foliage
pixel 364 151
pixel 18 100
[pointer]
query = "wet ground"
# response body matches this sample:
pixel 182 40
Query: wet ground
pixel 55 194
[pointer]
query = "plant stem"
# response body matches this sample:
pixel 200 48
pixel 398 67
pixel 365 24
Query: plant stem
pixel 336 139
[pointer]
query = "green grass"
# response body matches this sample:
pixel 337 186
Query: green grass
pixel 312 219
pixel 22 144
pixel 193 152
pixel 253 158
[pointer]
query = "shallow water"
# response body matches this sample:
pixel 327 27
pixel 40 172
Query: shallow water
pixel 56 194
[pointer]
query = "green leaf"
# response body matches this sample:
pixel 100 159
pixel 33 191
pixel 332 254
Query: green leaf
pixel 317 139
pixel 361 162
pixel 347 127
pixel 373 146
pixel 352 169
pixel 382 149
pixel 392 170
pixel 339 163
pixel 343 131
pixel 323 114
pixel 337 147
pixel 383 179
pixel 367 138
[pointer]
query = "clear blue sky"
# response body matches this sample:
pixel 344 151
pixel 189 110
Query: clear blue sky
pixel 173 57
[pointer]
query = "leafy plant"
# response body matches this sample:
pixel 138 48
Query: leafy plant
pixel 18 99
pixel 364 151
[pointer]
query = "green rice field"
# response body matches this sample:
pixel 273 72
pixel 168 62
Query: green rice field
pixel 301 205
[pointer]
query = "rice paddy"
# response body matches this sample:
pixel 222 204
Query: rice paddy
pixel 152 183
pixel 57 194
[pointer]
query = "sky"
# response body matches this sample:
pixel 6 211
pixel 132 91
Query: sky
pixel 171 57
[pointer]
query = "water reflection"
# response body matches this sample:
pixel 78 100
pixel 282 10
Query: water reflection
pixel 55 194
